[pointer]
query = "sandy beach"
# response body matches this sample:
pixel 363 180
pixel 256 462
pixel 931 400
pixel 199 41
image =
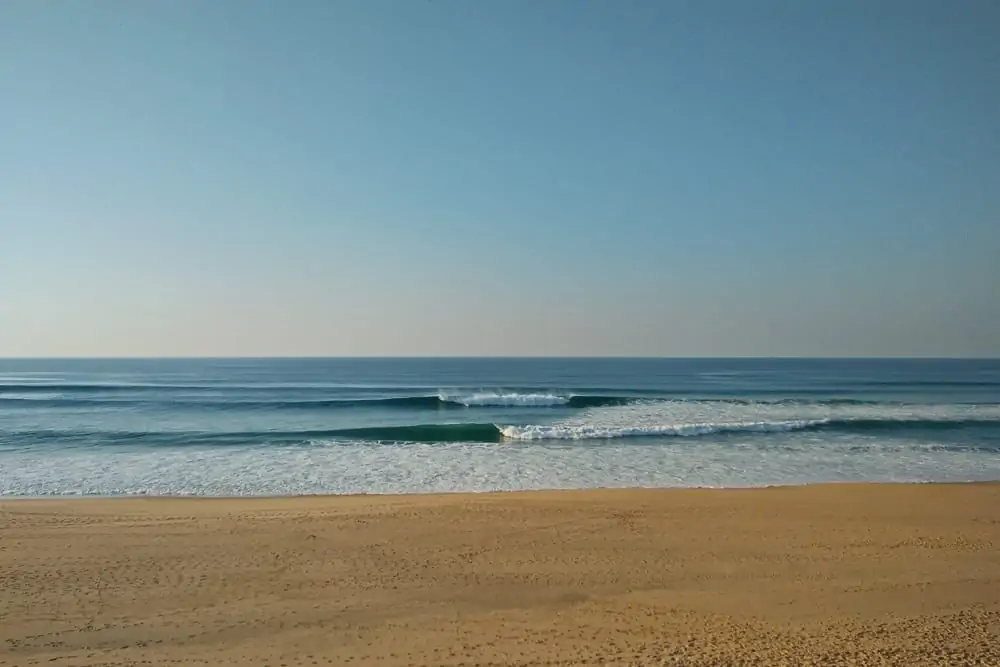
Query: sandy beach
pixel 852 574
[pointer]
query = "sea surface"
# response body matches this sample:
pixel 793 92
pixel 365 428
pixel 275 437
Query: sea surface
pixel 303 426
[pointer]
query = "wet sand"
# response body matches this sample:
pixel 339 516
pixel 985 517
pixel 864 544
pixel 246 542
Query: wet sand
pixel 824 575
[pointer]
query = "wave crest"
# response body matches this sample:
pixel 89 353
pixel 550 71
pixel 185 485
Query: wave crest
pixel 497 399
pixel 594 432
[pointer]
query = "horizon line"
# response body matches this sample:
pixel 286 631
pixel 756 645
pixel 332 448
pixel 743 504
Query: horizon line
pixel 497 357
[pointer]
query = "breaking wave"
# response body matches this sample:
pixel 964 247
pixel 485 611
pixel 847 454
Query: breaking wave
pixel 439 401
pixel 487 433
pixel 596 432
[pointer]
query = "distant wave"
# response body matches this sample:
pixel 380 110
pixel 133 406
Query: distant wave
pixel 515 399
pixel 20 386
pixel 430 401
pixel 512 399
pixel 441 401
pixel 51 400
pixel 73 388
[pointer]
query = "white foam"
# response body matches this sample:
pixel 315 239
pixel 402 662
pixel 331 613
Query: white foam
pixel 594 431
pixel 668 414
pixel 794 458
pixel 494 399
pixel 697 418
pixel 783 456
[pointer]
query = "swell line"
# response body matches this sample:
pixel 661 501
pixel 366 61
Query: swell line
pixel 425 402
pixel 475 432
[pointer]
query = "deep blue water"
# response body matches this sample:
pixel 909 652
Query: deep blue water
pixel 223 426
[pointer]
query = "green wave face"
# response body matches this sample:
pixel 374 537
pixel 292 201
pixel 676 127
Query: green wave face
pixel 425 433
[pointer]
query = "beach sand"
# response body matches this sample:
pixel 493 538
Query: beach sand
pixel 824 575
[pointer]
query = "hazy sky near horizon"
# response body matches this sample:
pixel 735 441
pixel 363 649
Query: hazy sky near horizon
pixel 519 177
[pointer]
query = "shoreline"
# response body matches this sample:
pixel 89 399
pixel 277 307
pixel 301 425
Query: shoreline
pixel 496 492
pixel 859 573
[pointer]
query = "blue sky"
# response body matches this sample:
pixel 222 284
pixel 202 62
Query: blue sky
pixel 453 177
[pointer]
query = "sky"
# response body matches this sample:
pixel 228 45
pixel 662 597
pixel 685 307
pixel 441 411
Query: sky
pixel 515 177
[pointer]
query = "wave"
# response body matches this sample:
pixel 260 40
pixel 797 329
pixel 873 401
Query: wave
pixel 539 400
pixel 55 401
pixel 74 388
pixel 595 430
pixel 493 433
pixel 11 389
pixel 431 401
pixel 513 399
pixel 442 401
pixel 482 432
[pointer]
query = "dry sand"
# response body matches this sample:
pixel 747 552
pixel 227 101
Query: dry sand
pixel 873 575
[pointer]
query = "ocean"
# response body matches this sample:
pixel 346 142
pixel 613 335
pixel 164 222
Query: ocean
pixel 234 427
